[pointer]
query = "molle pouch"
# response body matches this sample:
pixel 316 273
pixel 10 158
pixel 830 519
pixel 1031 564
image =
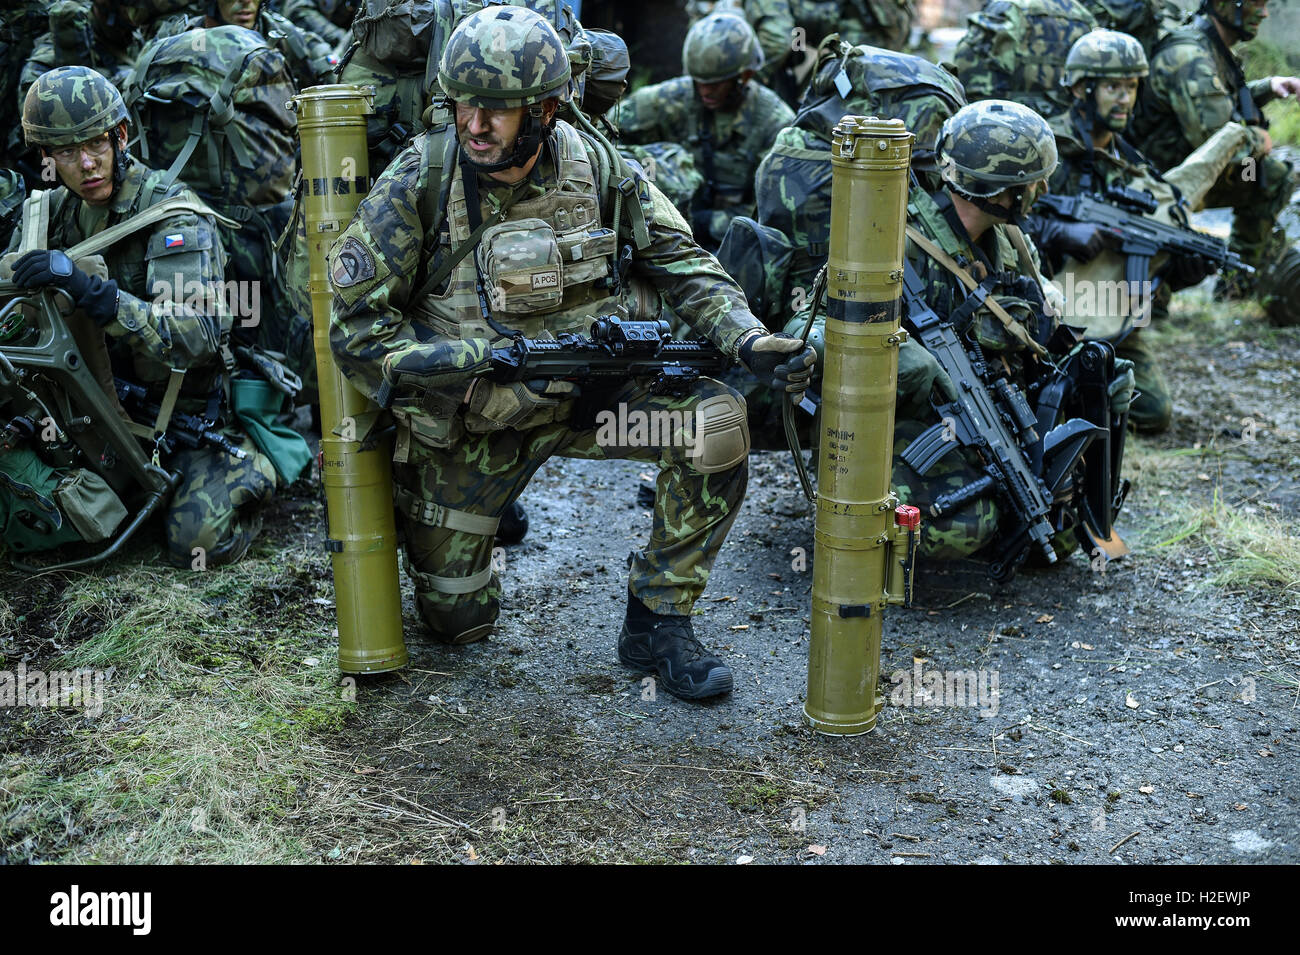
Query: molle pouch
pixel 587 254
pixel 521 266
pixel 89 504
pixel 175 258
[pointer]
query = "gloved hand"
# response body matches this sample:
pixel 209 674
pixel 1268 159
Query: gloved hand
pixel 95 296
pixel 779 361
pixel 1184 271
pixel 1122 387
pixel 1082 240
pixel 510 404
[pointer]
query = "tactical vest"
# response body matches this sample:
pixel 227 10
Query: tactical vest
pixel 546 269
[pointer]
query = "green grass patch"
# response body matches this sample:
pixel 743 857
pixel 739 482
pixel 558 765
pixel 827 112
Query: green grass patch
pixel 212 742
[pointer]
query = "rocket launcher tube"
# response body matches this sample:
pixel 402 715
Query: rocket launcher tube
pixel 856 536
pixel 362 536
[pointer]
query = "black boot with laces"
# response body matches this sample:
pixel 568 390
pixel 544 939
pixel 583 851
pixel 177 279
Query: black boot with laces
pixel 652 642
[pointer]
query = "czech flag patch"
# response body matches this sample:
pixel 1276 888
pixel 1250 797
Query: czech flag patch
pixel 173 241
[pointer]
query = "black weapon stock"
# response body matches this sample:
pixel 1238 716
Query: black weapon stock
pixel 1141 237
pixel 183 430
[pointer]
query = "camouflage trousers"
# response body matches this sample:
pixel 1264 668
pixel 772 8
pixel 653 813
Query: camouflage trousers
pixel 216 505
pixel 1256 204
pixel 457 591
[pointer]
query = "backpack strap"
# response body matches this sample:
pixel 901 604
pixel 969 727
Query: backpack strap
pixel 36 220
pixel 156 213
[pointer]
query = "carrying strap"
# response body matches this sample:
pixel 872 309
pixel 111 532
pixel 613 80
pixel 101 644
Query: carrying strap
pixel 36 220
pixel 168 207
pixel 1014 328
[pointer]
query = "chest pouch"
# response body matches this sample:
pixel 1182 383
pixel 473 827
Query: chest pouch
pixel 521 266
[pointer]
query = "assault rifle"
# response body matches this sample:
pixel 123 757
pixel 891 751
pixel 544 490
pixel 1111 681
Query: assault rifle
pixel 991 416
pixel 183 430
pixel 617 351
pixel 1120 213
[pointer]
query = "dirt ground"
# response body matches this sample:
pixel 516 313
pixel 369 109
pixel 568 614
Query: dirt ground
pixel 1143 714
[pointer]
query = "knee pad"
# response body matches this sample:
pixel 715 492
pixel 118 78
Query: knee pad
pixel 721 434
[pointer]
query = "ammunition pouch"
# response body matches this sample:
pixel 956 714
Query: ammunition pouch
pixel 40 509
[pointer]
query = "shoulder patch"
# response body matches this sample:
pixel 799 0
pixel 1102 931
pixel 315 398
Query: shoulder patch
pixel 353 263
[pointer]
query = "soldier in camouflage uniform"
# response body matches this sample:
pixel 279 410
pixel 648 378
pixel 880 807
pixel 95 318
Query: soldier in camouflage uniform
pixel 1016 50
pixel 786 29
pixel 1144 20
pixel 310 58
pixel 91 33
pixel 719 112
pixel 414 319
pixel 1196 86
pixel 995 157
pixel 668 165
pixel 79 120
pixel 1103 73
pixel 793 189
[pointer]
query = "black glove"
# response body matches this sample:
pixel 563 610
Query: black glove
pixel 96 296
pixel 1184 271
pixel 1082 240
pixel 779 361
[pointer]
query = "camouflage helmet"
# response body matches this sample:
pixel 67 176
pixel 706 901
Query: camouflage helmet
pixel 504 57
pixel 1104 53
pixel 70 105
pixel 720 47
pixel 993 145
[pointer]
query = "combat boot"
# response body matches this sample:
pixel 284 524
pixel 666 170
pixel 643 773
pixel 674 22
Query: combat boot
pixel 514 524
pixel 652 642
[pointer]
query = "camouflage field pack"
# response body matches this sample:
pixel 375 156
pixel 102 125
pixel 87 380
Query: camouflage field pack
pixel 209 105
pixel 1016 50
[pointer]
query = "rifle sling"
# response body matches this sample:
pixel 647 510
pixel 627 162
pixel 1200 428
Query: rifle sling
pixel 165 409
pixel 1014 328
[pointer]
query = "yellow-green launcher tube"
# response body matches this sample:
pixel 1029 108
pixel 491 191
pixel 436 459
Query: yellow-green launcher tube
pixel 362 537
pixel 856 534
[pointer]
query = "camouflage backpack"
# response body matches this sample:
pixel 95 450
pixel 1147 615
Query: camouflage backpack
pixel 211 106
pixel 1016 50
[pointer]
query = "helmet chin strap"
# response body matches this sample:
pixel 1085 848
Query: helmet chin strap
pixel 531 134
pixel 121 162
pixel 1010 214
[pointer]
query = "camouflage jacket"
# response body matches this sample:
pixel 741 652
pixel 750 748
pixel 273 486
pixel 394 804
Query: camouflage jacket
pixel 1196 85
pixel 311 60
pixel 170 277
pixel 727 145
pixel 1016 50
pixel 77 38
pixel 380 326
pixel 789 27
